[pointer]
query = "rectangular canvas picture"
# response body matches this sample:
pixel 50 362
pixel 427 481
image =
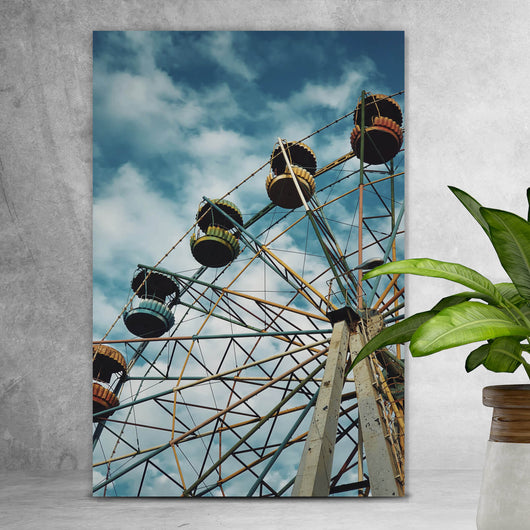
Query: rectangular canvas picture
pixel 244 184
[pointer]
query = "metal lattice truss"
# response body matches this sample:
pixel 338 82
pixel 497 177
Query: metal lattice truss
pixel 222 405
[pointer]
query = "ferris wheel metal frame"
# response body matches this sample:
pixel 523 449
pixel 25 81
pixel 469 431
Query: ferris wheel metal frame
pixel 277 411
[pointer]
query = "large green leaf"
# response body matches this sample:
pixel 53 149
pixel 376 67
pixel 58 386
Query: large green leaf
pixel 472 206
pixel 503 355
pixel 396 334
pixel 463 324
pixel 508 292
pixel 510 235
pixel 477 357
pixel 528 199
pixel 525 310
pixel 456 299
pixel 440 269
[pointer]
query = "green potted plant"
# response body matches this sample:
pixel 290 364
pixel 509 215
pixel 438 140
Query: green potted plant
pixel 498 316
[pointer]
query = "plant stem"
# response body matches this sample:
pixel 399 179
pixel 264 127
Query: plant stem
pixel 509 306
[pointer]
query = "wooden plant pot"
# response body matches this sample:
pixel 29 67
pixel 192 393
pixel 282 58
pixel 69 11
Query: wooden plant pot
pixel 505 492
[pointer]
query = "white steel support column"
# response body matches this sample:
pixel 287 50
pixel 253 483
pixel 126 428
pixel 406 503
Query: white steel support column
pixel 377 445
pixel 314 473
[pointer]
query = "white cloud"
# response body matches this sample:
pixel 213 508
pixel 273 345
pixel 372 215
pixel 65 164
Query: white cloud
pixel 221 47
pixel 302 112
pixel 151 109
pixel 156 113
pixel 106 309
pixel 336 96
pixel 219 143
pixel 146 45
pixel 134 223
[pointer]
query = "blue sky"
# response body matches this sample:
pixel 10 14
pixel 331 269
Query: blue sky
pixel 182 115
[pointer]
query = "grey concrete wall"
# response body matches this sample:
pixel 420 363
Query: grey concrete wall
pixel 467 124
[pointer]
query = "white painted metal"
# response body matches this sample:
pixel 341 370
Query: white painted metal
pixel 314 473
pixel 380 464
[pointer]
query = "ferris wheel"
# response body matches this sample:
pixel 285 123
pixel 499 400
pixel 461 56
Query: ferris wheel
pixel 234 378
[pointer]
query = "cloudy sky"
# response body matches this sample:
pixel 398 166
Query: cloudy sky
pixel 182 115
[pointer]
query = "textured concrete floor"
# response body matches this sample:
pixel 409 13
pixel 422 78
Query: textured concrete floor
pixel 437 500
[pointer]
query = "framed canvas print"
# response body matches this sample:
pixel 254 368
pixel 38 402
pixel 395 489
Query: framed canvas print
pixel 244 182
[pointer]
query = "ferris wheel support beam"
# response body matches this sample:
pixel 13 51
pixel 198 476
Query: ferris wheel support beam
pixel 340 259
pixel 383 470
pixel 310 347
pixel 262 251
pixel 335 163
pixel 264 419
pixel 311 217
pixel 219 289
pixel 361 199
pixel 390 243
pixel 156 451
pixel 284 443
pixel 314 472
